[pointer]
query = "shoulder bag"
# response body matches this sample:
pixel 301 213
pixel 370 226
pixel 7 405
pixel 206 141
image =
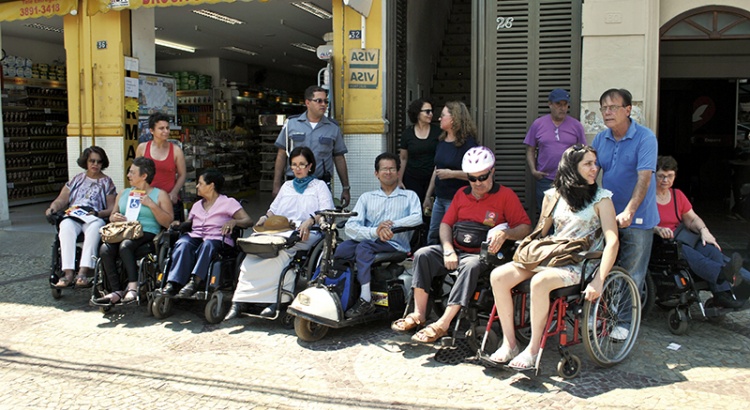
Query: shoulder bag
pixel 535 251
pixel 683 234
pixel 116 232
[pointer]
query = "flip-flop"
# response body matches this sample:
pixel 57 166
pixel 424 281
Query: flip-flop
pixel 405 324
pixel 83 282
pixel 430 334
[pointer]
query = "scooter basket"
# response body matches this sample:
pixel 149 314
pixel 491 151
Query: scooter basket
pixel 265 246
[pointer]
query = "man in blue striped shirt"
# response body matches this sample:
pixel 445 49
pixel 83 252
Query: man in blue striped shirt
pixel 378 212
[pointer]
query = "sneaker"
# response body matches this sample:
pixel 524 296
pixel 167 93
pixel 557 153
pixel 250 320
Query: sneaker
pixel 361 308
pixel 619 333
pixel 726 299
pixel 731 271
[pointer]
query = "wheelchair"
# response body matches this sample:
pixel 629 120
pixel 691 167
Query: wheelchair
pixel 147 263
pixel 56 260
pixel 217 288
pixel 591 323
pixel 676 288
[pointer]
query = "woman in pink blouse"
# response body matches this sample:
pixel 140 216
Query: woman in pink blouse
pixel 212 220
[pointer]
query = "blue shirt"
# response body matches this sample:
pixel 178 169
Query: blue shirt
pixel 620 162
pixel 448 155
pixel 325 141
pixel 401 206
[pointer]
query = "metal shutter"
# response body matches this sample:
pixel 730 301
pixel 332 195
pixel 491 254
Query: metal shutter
pixel 396 85
pixel 535 52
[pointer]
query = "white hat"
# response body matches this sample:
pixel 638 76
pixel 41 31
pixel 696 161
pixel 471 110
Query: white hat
pixel 478 159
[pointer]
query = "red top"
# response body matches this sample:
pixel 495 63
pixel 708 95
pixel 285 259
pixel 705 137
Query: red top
pixel 165 170
pixel 667 216
pixel 500 205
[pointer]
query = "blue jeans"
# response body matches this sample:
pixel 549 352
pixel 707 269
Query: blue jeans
pixel 363 255
pixel 541 186
pixel 191 256
pixel 706 262
pixel 633 256
pixel 439 208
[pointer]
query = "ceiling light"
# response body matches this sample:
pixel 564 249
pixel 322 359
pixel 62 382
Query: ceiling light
pixel 313 9
pixel 240 50
pixel 176 46
pixel 219 17
pixel 43 27
pixel 305 46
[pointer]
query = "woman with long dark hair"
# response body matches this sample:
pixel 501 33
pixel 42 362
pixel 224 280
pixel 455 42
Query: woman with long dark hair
pixel 583 210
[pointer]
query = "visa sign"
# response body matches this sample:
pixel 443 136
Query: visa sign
pixel 364 68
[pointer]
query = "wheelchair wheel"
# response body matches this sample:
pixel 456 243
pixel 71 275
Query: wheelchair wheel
pixel 56 293
pixel 309 331
pixel 570 367
pixel 648 295
pixel 475 336
pixel 312 262
pixel 215 309
pixel 677 320
pixel 607 336
pixel 161 307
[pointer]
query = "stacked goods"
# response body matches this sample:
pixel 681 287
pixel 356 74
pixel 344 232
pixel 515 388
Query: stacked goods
pixel 17 67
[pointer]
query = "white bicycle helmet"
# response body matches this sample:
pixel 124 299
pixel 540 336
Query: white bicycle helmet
pixel 478 159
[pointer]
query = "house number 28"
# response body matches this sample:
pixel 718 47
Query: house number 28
pixel 504 22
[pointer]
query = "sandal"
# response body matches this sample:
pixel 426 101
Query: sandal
pixel 111 298
pixel 429 334
pixel 83 282
pixel 130 296
pixel 64 282
pixel 410 322
pixel 504 354
pixel 524 361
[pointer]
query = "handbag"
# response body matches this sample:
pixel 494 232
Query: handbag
pixel 683 234
pixel 116 232
pixel 535 251
pixel 470 234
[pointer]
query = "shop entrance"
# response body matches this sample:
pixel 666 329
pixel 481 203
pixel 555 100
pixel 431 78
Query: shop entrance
pixel 703 97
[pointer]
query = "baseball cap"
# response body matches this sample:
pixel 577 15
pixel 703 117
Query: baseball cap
pixel 558 94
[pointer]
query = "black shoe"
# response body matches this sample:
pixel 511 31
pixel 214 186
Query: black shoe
pixel 236 309
pixel 726 299
pixel 169 289
pixel 269 311
pixel 361 308
pixel 189 289
pixel 731 271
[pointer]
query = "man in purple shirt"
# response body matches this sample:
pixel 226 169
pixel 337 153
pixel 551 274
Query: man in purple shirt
pixel 548 137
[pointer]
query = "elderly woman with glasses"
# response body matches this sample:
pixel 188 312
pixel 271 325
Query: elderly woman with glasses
pixel 457 138
pixel 704 258
pixel 92 193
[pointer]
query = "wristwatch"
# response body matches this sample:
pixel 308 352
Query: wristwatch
pixel 447 253
pixel 346 188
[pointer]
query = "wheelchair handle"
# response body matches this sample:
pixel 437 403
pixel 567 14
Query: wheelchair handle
pixel 401 229
pixel 332 213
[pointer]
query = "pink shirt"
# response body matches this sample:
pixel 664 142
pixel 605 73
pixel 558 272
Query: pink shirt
pixel 207 224
pixel 667 216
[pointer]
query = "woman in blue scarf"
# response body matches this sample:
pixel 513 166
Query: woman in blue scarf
pixel 297 201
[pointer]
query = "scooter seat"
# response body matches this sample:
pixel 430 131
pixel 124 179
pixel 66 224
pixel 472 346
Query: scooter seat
pixel 389 257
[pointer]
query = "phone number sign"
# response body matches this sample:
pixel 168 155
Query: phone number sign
pixel 24 9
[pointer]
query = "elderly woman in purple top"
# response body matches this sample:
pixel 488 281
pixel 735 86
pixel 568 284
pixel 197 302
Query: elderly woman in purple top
pixel 211 218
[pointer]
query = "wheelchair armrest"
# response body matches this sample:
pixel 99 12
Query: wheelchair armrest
pixel 401 229
pixel 184 227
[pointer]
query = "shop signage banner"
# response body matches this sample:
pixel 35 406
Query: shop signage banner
pixel 364 67
pixel 31 9
pixel 96 6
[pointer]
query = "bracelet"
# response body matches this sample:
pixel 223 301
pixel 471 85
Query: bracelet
pixel 346 187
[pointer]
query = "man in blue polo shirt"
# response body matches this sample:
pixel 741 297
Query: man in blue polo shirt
pixel 627 154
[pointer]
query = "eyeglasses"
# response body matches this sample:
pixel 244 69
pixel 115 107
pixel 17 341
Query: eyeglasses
pixel 445 115
pixel 664 177
pixel 480 178
pixel 299 166
pixel 320 101
pixel 95 161
pixel 388 170
pixel 611 108
pixel 428 112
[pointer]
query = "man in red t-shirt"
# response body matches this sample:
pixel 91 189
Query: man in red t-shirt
pixel 484 202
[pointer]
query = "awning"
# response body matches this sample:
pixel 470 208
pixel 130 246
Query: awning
pixel 31 9
pixel 95 6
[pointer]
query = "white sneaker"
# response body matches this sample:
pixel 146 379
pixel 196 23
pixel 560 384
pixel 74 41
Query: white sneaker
pixel 619 333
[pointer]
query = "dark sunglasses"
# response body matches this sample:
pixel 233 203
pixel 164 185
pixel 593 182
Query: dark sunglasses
pixel 480 178
pixel 95 161
pixel 428 112
pixel 319 101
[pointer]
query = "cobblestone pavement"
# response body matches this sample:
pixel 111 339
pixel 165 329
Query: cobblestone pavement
pixel 65 354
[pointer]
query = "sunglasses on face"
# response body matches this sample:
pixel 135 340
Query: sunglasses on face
pixel 480 178
pixel 428 112
pixel 319 101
